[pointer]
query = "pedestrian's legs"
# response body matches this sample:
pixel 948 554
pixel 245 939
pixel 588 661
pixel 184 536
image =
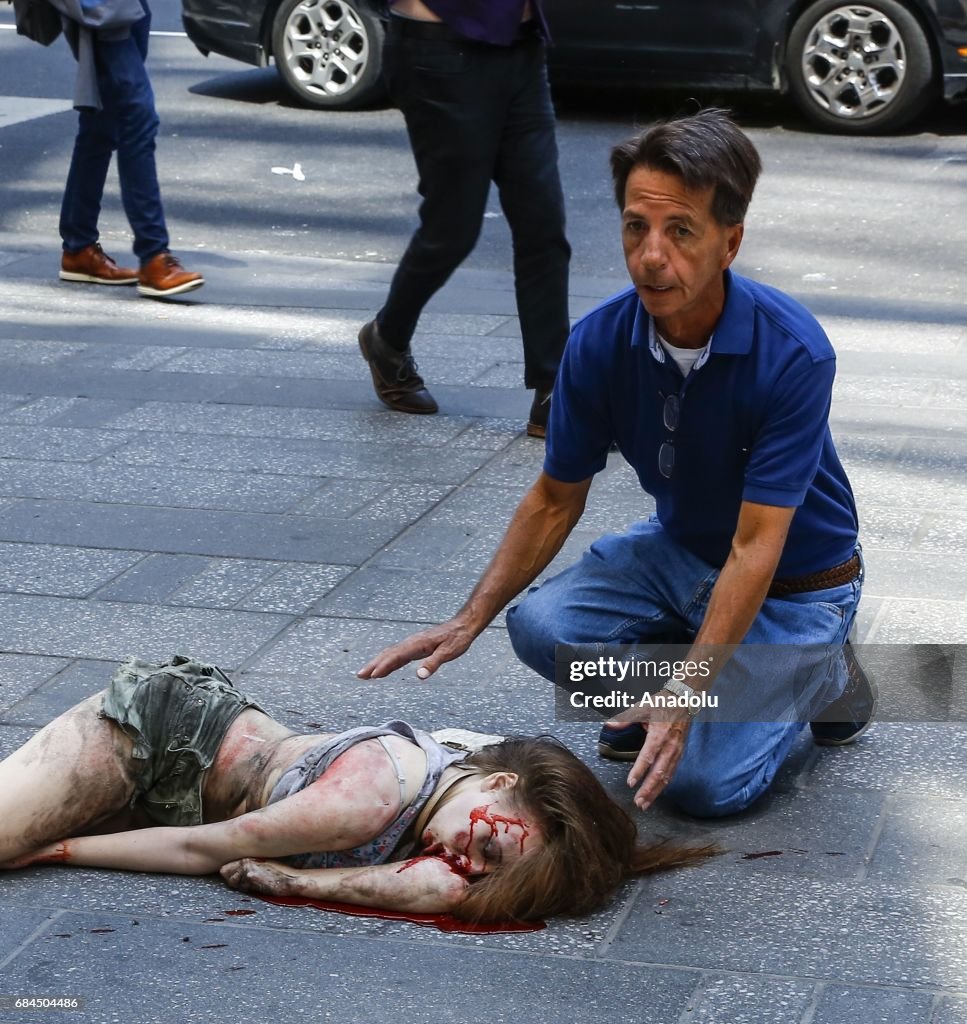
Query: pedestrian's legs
pixel 123 82
pixel 95 142
pixel 450 96
pixel 533 201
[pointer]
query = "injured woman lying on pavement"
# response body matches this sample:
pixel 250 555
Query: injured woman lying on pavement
pixel 173 769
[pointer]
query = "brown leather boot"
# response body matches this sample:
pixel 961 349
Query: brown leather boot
pixel 163 275
pixel 92 265
pixel 395 379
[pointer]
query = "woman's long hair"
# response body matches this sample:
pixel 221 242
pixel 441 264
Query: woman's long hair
pixel 590 844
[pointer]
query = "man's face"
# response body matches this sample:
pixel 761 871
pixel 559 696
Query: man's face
pixel 676 251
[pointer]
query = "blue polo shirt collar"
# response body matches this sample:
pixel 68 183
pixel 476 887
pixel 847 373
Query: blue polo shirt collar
pixel 733 332
pixel 736 326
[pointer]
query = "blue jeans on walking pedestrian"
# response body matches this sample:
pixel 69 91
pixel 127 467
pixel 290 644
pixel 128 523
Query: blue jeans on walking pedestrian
pixel 642 584
pixel 128 123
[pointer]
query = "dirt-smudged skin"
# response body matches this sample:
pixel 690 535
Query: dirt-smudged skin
pixel 77 771
pixel 77 777
pixel 247 766
pixel 372 887
pixel 353 801
pixel 256 751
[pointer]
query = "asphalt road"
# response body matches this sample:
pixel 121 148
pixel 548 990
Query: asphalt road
pixel 851 224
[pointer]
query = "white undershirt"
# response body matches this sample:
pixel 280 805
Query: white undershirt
pixel 686 358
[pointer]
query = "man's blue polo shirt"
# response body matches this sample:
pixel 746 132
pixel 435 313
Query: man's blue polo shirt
pixel 752 422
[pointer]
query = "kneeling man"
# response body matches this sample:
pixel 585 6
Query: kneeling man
pixel 716 389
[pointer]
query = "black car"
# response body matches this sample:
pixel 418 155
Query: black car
pixel 850 67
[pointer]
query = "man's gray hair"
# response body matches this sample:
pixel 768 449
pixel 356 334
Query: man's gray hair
pixel 705 150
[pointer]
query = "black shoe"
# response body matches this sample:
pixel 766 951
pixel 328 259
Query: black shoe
pixel 540 410
pixel 395 379
pixel 621 744
pixel 851 714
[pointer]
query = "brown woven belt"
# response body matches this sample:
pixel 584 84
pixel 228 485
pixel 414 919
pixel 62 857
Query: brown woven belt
pixel 845 572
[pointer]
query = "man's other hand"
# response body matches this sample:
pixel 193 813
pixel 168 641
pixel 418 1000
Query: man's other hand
pixel 436 646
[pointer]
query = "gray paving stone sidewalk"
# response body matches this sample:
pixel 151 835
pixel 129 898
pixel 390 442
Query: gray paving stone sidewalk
pixel 215 476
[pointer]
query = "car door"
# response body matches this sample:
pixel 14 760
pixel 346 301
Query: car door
pixel 674 40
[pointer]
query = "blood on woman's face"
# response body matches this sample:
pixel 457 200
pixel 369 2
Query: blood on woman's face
pixel 481 827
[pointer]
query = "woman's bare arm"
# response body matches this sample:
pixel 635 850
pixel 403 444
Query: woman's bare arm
pixel 424 885
pixel 354 801
pixel 167 850
pixel 189 849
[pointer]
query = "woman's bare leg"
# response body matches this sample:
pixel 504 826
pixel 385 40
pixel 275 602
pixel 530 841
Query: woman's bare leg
pixel 70 775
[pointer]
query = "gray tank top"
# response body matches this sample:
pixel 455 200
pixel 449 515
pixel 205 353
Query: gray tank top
pixel 314 762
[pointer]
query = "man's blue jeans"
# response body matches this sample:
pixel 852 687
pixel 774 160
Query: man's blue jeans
pixel 127 123
pixel 640 584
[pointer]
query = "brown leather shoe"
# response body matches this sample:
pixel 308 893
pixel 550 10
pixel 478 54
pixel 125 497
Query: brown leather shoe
pixel 395 379
pixel 540 410
pixel 92 265
pixel 163 275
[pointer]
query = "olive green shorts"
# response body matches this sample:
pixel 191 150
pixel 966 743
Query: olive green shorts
pixel 177 714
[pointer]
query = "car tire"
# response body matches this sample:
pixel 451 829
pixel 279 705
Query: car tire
pixel 329 52
pixel 863 77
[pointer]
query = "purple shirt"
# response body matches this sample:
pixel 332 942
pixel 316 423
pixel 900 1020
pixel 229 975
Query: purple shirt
pixel 486 21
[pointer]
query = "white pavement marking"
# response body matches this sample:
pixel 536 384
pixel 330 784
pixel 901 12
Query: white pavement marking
pixel 174 35
pixel 296 171
pixel 14 109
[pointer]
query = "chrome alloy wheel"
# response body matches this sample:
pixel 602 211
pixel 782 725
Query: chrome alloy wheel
pixel 325 46
pixel 854 62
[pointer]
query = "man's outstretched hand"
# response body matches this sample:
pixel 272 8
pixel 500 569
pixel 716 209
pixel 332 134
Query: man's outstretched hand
pixel 546 515
pixel 436 646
